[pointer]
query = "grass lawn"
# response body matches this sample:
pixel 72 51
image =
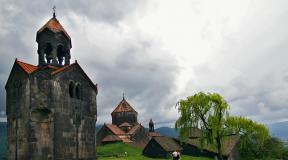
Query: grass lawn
pixel 117 152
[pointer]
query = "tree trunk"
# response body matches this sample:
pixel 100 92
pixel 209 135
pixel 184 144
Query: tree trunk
pixel 219 148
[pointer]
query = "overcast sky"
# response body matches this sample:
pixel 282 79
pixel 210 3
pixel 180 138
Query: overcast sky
pixel 160 51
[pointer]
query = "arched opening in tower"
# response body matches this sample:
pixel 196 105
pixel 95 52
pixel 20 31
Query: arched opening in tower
pixel 60 54
pixel 48 52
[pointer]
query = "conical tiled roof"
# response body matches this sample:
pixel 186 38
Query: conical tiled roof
pixel 123 106
pixel 54 25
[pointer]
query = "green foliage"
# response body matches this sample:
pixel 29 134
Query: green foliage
pixel 250 131
pixel 205 111
pixel 285 153
pixel 272 148
pixel 209 112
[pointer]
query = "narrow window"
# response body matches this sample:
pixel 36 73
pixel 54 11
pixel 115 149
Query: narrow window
pixel 71 89
pixel 78 91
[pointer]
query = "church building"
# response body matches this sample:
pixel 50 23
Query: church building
pixel 51 107
pixel 124 128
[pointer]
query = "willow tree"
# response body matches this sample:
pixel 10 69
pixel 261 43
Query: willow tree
pixel 209 112
pixel 253 136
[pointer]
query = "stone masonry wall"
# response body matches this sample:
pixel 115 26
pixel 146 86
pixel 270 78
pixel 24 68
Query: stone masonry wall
pixel 51 124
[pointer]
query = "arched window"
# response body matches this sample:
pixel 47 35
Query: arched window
pixel 78 91
pixel 48 50
pixel 60 54
pixel 71 89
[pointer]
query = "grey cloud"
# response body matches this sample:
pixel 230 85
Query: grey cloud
pixel 258 54
pixel 111 11
pixel 249 70
pixel 147 81
pixel 251 77
pixel 255 97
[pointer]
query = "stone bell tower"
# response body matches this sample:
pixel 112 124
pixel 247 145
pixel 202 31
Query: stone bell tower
pixel 54 44
pixel 51 107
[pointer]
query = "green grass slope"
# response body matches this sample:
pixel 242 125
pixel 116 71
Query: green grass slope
pixel 117 152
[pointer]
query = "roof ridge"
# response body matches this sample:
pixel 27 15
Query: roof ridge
pixel 61 69
pixel 134 128
pixel 167 143
pixel 124 106
pixel 25 63
pixel 28 68
pixel 115 129
pixel 54 25
pixel 125 124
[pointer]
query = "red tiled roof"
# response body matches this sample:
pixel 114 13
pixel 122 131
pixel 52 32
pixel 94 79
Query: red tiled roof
pixel 116 130
pixel 53 67
pixel 125 124
pixel 111 138
pixel 123 106
pixel 134 129
pixel 28 68
pixel 61 69
pixel 54 25
pixel 126 140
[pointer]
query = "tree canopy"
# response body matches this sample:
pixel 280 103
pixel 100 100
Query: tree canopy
pixel 210 113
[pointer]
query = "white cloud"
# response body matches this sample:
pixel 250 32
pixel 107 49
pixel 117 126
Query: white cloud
pixel 160 51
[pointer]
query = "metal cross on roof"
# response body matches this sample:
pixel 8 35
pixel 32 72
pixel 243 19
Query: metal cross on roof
pixel 54 11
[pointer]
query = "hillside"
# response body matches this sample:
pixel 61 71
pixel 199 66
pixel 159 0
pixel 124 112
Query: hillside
pixel 98 127
pixel 117 151
pixel 167 131
pixel 279 130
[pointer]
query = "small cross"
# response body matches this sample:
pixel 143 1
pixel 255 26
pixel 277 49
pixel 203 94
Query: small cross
pixel 123 95
pixel 54 11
